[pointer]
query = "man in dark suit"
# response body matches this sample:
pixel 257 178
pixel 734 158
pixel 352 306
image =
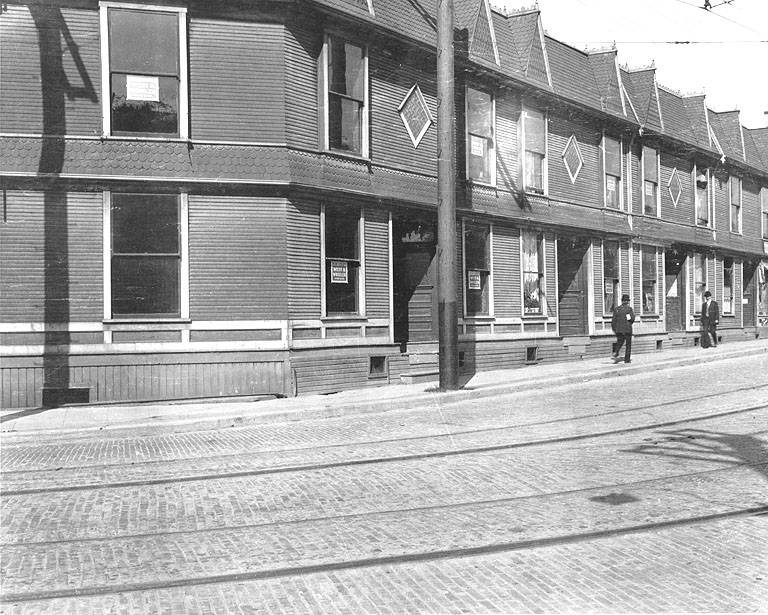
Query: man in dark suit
pixel 623 318
pixel 710 318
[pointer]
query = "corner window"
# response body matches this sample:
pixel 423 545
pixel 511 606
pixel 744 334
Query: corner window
pixel 613 166
pixel 144 71
pixel 764 210
pixel 146 255
pixel 477 267
pixel 649 280
pixel 345 73
pixel 703 205
pixel 650 181
pixel 699 280
pixel 735 192
pixel 611 276
pixel 728 286
pixel 481 156
pixel 535 151
pixel 533 272
pixel 341 245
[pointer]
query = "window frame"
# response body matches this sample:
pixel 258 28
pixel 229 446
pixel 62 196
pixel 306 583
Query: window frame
pixel 619 179
pixel 325 94
pixel 616 285
pixel 643 181
pixel 709 197
pixel 491 141
pixel 524 150
pixel 739 206
pixel 486 273
pixel 325 261
pixel 698 299
pixel 644 250
pixel 107 236
pixel 541 262
pixel 729 307
pixel 764 211
pixel 106 70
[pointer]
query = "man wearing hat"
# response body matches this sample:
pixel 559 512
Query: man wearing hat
pixel 710 318
pixel 623 318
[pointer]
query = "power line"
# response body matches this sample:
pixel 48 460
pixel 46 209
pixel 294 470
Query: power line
pixel 739 42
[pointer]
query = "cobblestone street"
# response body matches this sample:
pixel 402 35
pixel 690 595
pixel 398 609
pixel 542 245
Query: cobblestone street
pixel 646 493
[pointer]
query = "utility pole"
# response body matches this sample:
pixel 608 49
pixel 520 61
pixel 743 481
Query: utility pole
pixel 446 200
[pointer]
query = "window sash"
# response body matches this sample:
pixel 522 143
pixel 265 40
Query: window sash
pixel 346 96
pixel 613 191
pixel 612 156
pixel 341 248
pixel 611 276
pixel 534 172
pixel 727 286
pixel 702 199
pixel 533 273
pixel 534 126
pixel 699 280
pixel 649 280
pixel 650 164
pixel 650 191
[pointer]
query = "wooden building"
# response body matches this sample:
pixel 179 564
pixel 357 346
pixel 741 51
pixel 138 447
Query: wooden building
pixel 218 199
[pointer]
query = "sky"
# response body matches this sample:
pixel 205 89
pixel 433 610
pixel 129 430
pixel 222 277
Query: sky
pixel 728 60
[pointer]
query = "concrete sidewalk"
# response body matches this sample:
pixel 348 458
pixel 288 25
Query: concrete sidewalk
pixel 87 420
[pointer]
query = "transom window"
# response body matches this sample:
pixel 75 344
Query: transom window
pixel 533 272
pixel 144 71
pixel 650 181
pixel 613 166
pixel 346 91
pixel 341 244
pixel 145 255
pixel 477 265
pixel 735 191
pixel 649 280
pixel 728 286
pixel 611 276
pixel 702 196
pixel 535 151
pixel 481 157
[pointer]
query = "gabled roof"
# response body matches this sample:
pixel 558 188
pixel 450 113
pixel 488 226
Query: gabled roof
pixel 727 128
pixel 677 124
pixel 482 38
pixel 606 74
pixel 696 111
pixel 528 38
pixel 756 147
pixel 646 98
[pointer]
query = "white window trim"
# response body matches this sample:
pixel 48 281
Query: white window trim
pixel 415 138
pixel 741 205
pixel 106 91
pixel 709 197
pixel 365 135
pixel 491 312
pixel 705 264
pixel 545 162
pixel 643 248
pixel 492 154
pixel 360 313
pixel 621 170
pixel 675 174
pixel 106 207
pixel 732 311
pixel 602 273
pixel 543 287
pixel 658 177
pixel 575 174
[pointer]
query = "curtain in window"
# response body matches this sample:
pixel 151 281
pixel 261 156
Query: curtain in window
pixel 532 274
pixel 649 280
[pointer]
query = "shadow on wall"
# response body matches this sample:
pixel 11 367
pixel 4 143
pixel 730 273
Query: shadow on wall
pixel 54 39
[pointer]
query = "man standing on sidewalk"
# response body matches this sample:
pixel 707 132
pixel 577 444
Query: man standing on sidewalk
pixel 623 319
pixel 710 318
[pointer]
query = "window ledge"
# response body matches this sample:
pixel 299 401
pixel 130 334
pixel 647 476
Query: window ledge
pixel 146 321
pixel 479 317
pixel 535 316
pixel 146 138
pixel 346 156
pixel 344 318
pixel 481 184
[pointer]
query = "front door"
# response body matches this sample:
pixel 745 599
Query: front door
pixel 415 278
pixel 674 290
pixel 572 282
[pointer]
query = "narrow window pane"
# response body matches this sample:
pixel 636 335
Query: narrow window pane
pixel 342 265
pixel 535 131
pixel 649 280
pixel 702 199
pixel 613 191
pixel 133 115
pixel 345 124
pixel 346 69
pixel 479 112
pixel 611 275
pixel 532 273
pixel 145 224
pixel 728 286
pixel 650 198
pixel 613 157
pixel 143 42
pixel 699 280
pixel 145 285
pixel 650 167
pixel 534 172
pixel 477 245
pixel 735 190
pixel 341 297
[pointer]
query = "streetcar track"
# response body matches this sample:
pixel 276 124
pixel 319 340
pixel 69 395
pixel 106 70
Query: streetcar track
pixel 375 460
pixel 389 560
pixel 414 510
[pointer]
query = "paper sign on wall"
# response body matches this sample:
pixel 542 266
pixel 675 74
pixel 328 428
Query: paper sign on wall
pixel 609 287
pixel 672 292
pixel 339 272
pixel 141 87
pixel 611 183
pixel 473 282
pixel 477 145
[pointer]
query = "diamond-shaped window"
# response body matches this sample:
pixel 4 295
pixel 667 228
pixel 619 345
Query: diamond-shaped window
pixel 415 115
pixel 572 158
pixel 675 187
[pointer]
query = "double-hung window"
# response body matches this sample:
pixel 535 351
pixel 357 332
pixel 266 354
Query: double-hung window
pixel 481 157
pixel 534 151
pixel 701 178
pixel 613 166
pixel 533 272
pixel 345 74
pixel 735 192
pixel 727 286
pixel 477 266
pixel 146 255
pixel 764 210
pixel 341 247
pixel 699 280
pixel 144 70
pixel 611 276
pixel 649 280
pixel 650 181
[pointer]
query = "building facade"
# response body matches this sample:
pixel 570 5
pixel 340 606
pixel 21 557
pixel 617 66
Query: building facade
pixel 210 200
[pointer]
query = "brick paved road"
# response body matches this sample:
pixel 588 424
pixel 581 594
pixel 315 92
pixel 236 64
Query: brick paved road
pixel 578 500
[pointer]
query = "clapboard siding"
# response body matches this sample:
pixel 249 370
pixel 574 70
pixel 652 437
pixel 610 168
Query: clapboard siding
pixel 302 48
pixel 377 263
pixel 61 47
pixel 70 241
pixel 237 265
pixel 506 271
pixel 585 190
pixel 303 255
pixel 550 267
pixel 637 291
pixel 236 81
pixel 507 143
pixel 683 213
pixel 597 276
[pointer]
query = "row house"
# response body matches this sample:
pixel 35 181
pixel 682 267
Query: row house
pixel 220 199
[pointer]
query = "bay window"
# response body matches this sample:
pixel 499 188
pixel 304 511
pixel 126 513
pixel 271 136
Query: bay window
pixel 481 157
pixel 341 247
pixel 613 166
pixel 649 279
pixel 477 267
pixel 533 272
pixel 144 71
pixel 611 276
pixel 650 181
pixel 534 151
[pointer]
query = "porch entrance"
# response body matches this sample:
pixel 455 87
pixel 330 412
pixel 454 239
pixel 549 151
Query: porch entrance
pixel 572 285
pixel 415 277
pixel 674 289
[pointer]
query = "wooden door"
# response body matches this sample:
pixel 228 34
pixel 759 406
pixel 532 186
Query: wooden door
pixel 572 285
pixel 674 290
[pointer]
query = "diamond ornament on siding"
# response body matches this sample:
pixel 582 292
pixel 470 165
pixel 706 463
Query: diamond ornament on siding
pixel 415 114
pixel 572 158
pixel 675 187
